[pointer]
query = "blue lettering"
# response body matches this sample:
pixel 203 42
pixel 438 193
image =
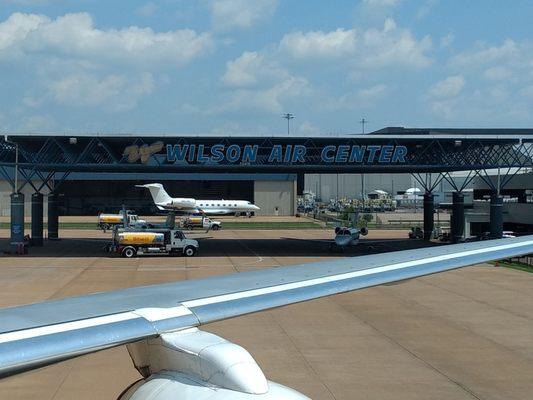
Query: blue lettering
pixel 275 154
pixel 325 157
pixel 357 154
pixel 202 158
pixel 217 152
pixel 233 153
pixel 342 154
pixel 288 151
pixel 192 150
pixel 176 152
pixel 299 153
pixel 386 153
pixel 372 151
pixel 399 154
pixel 249 153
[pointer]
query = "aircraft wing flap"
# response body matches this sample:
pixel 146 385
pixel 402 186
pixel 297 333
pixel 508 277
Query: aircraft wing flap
pixel 37 347
pixel 40 334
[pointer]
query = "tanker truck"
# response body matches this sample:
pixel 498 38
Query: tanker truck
pixel 198 221
pixel 130 243
pixel 109 221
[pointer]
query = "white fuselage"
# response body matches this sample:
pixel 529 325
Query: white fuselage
pixel 210 207
pixel 189 205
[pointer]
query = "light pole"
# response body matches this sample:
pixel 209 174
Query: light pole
pixel 363 122
pixel 288 117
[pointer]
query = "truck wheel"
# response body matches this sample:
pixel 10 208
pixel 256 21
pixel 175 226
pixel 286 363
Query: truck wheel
pixel 189 251
pixel 129 252
pixel 215 227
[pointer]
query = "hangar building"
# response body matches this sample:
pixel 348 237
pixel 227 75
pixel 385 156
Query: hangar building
pixel 78 173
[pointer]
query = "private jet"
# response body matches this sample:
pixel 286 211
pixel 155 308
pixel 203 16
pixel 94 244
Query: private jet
pixel 345 237
pixel 163 201
pixel 159 324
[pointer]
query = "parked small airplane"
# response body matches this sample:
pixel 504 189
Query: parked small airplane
pixel 192 206
pixel 345 237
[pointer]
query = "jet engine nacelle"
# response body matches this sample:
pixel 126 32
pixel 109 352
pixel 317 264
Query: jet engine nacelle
pixel 172 385
pixel 197 365
pixel 184 203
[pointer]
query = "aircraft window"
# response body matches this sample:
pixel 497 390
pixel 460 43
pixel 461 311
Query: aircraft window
pixel 212 205
pixel 235 205
pixel 201 205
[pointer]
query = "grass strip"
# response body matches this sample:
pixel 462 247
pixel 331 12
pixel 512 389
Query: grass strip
pixel 516 265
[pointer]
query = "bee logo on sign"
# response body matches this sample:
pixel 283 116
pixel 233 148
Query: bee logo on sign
pixel 143 152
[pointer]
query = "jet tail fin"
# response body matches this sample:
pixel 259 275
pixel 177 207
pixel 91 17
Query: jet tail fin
pixel 158 192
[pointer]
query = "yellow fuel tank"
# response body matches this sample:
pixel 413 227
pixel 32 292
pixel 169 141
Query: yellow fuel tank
pixel 141 238
pixel 110 218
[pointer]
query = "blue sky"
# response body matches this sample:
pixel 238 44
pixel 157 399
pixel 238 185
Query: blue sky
pixel 235 66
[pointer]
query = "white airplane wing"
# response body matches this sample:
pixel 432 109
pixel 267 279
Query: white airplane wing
pixel 36 335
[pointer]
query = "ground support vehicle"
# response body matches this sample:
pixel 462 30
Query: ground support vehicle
pixel 201 222
pixel 130 243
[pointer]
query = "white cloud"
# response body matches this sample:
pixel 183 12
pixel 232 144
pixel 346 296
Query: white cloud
pixel 372 48
pixel 114 92
pixel 497 73
pixel 373 93
pixel 37 124
pixel 449 87
pixel 147 9
pixel 268 100
pixel 74 35
pixel 318 44
pixel 230 14
pixel 250 69
pixel 308 128
pixel 484 55
pixel 426 8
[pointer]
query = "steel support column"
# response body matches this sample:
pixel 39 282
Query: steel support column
pixel 53 216
pixel 496 216
pixel 429 209
pixel 37 219
pixel 17 223
pixel 458 217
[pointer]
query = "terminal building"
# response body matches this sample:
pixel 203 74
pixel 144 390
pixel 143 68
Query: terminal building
pixel 87 174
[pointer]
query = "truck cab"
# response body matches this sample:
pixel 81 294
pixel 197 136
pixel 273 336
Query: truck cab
pixel 178 242
pixel 201 222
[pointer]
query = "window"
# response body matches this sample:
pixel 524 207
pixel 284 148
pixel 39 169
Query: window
pixel 235 205
pixel 178 235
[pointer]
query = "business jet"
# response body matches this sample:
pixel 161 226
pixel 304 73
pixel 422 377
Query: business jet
pixel 159 324
pixel 346 237
pixel 163 201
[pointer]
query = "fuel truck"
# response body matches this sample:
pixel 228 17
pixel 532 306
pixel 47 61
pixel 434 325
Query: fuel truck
pixel 131 242
pixel 109 221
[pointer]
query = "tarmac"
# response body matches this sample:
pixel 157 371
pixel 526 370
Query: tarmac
pixel 464 334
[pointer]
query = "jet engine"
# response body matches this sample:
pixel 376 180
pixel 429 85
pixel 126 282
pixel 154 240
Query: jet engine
pixel 196 365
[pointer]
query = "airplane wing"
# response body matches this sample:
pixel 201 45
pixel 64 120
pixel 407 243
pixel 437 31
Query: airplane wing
pixel 36 335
